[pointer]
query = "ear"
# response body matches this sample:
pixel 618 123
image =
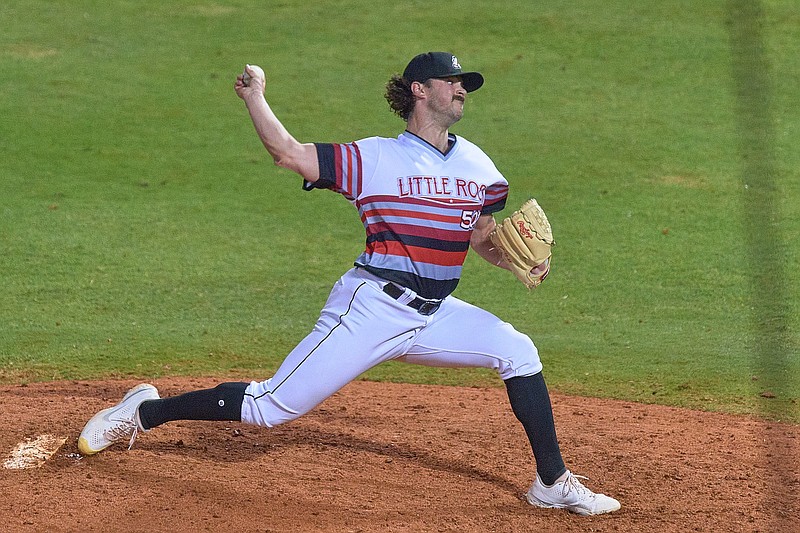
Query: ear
pixel 418 89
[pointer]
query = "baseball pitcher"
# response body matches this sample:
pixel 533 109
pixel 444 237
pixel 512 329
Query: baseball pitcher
pixel 424 198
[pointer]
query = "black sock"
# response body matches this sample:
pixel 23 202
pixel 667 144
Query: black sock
pixel 223 402
pixel 530 402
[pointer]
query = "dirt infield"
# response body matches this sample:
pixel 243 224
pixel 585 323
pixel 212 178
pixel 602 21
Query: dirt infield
pixel 389 458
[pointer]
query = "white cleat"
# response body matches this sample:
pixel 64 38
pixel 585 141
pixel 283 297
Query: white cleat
pixel 570 494
pixel 116 423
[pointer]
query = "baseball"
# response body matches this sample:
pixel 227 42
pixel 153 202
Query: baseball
pixel 246 76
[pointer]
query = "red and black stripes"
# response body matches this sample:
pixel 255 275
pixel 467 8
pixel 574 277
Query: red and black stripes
pixel 418 206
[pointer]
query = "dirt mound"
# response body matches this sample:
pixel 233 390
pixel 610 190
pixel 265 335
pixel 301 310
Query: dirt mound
pixel 391 457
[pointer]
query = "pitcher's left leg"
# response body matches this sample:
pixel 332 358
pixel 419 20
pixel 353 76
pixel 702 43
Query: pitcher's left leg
pixel 463 335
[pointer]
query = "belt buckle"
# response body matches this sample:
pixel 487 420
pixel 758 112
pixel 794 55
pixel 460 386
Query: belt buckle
pixel 428 308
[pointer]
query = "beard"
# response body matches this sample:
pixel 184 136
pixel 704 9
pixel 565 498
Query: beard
pixel 451 112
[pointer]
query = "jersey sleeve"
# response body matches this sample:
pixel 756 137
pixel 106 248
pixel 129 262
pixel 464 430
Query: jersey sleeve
pixel 496 195
pixel 497 192
pixel 341 169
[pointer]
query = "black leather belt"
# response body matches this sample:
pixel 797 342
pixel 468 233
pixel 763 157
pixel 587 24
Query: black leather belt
pixel 423 306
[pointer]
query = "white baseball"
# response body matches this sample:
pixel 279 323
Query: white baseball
pixel 246 77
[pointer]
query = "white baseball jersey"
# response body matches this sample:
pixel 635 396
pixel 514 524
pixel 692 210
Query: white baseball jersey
pixel 419 207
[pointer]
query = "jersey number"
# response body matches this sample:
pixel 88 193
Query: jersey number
pixel 469 219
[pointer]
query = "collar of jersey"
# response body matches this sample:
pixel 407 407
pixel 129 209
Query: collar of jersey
pixel 428 146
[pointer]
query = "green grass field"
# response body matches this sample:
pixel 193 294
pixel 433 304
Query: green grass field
pixel 144 230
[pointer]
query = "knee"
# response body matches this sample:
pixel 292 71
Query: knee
pixel 262 408
pixel 524 361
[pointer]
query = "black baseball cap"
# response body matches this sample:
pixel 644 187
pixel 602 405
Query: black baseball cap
pixel 440 65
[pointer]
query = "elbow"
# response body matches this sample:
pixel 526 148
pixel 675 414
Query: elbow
pixel 306 171
pixel 284 161
pixel 281 162
pixel 299 158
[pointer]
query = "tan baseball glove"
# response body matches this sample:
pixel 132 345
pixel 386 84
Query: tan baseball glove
pixel 525 239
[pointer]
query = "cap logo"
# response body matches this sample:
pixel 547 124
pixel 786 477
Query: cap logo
pixel 455 63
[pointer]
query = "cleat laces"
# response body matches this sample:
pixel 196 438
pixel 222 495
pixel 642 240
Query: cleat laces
pixel 133 436
pixel 572 483
pixel 122 430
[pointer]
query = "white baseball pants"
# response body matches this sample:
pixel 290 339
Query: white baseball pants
pixel 361 327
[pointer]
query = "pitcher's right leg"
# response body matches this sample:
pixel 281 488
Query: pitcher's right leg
pixel 358 328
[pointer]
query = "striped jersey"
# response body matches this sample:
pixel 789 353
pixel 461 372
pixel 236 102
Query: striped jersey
pixel 418 205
